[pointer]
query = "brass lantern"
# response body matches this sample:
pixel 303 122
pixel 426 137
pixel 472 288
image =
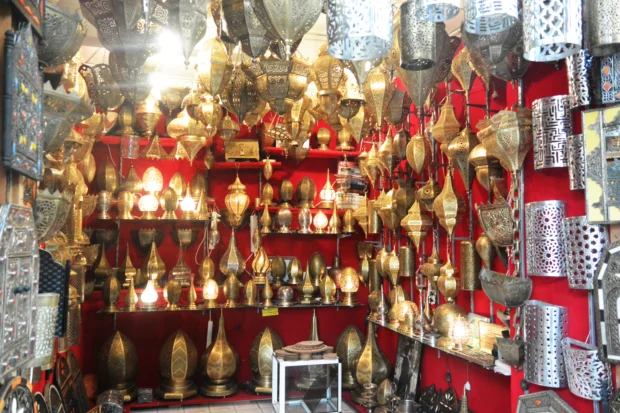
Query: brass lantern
pixel 263 347
pixel 193 24
pixel 458 153
pixel 449 206
pixel 214 67
pixel 177 365
pixel 371 366
pixel 348 347
pixel 147 116
pixel 219 365
pixel 378 91
pixel 306 192
pixel 417 223
pixel 261 265
pixel 118 365
pixel 328 74
pixel 246 28
pixel 418 153
pixel 447 126
pixel 398 108
pixel 294 119
pixel 351 101
pixel 236 201
pixel 279 82
pixel 210 115
pixel 232 261
pixel 448 283
pixel 487 166
pixel 240 96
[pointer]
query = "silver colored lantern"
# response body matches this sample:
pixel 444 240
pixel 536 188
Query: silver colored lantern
pixel 584 249
pixel 45 330
pixel 418 39
pixel 587 375
pixel 358 29
pixel 244 26
pixel 551 29
pixel 64 34
pixel 493 48
pixel 552 126
pixel 437 10
pixel 192 24
pixel 576 163
pixel 490 16
pixel 604 30
pixel 545 246
pixel 545 327
pixel 578 67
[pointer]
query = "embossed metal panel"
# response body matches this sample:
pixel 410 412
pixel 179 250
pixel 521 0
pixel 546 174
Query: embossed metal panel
pixel 552 125
pixel 584 247
pixel 578 67
pixel 586 373
pixel 606 299
pixel 576 163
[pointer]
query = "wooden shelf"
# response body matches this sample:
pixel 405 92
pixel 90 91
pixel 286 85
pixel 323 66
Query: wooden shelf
pixel 314 154
pixel 479 358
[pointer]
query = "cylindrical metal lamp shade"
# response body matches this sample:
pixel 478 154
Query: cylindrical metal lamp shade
pixel 45 328
pixel 552 126
pixel 545 246
pixel 437 10
pixel 576 163
pixel 418 39
pixel 130 146
pixel 490 16
pixel 604 29
pixel 578 67
pixel 551 29
pixel 545 327
pixel 587 375
pixel 470 267
pixel 584 248
pixel 74 318
pixel 494 47
pixel 358 29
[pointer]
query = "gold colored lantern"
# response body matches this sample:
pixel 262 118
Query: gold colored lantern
pixel 214 67
pixel 487 166
pixel 265 221
pixel 295 272
pixel 323 137
pixel 448 283
pixel 328 74
pixel 261 353
pixel 320 222
pixel 447 126
pixel 177 365
pixel 306 192
pixel 236 201
pixel 470 267
pixel 349 284
pixel 210 114
pixel 169 202
pixel 124 204
pixel 371 367
pixel 231 290
pixel 108 177
pixel 398 107
pixel 228 128
pixel 117 366
pixel 427 194
pixel 419 153
pixel 266 197
pixel 210 292
pixel 449 206
pixel 148 204
pixel 172 294
pixel 458 152
pixel 153 180
pixel 278 270
pixel 459 332
pixel 206 271
pixel 147 116
pixel 348 347
pixel 219 365
pixel 307 290
pixel 240 96
pixel 351 101
pixel 445 315
pixel 327 194
pixel 286 193
pixel 486 250
pixel 261 266
pixel 148 298
pixel 178 183
pixel 378 90
pixel 361 215
pixel 327 290
pixel 232 261
pixel 250 293
pixel 153 268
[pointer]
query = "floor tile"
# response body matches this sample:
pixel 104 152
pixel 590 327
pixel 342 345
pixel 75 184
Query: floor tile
pixel 241 406
pixel 222 408
pixel 196 409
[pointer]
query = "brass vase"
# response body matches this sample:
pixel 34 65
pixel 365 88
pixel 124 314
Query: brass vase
pixel 278 271
pixel 371 366
pixel 206 270
pixel 306 192
pixel 219 365
pixel 177 365
pixel 231 290
pixel 263 347
pixel 348 347
pixel 117 366
pixel 295 272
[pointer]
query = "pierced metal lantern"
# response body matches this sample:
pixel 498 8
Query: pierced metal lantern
pixel 328 76
pixel 417 39
pixel 45 329
pixel 102 87
pixel 490 16
pixel 358 29
pixel 576 162
pixel 244 26
pixel 551 29
pixel 493 47
pixel 545 247
pixel 578 67
pixel 133 82
pixel 63 32
pixel 545 327
pixel 458 153
pixel 587 375
pixel 584 248
pixel 449 206
pixel 192 24
pixel 378 91
pixel 462 70
pixel 604 31
pixel 214 66
pixel 361 69
pixel 552 126
pixel 240 96
pixel 437 10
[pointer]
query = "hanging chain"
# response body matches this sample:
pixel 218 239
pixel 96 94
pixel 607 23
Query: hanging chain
pixel 516 213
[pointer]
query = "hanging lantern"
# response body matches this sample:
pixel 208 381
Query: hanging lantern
pixel 328 74
pixel 63 32
pixel 447 126
pixel 240 96
pixel 210 114
pixel 417 39
pixel 417 223
pixel 491 16
pixel 228 128
pixel 487 166
pixel 463 71
pixel 214 67
pixel 358 29
pixel 288 20
pixel 513 66
pixel 351 101
pixel 361 69
pixel 102 88
pixel 437 10
pixel 279 82
pixel 419 153
pixel 449 206
pixel 551 30
pixel 191 102
pixel 237 201
pixel 378 91
pixel 458 153
pixel 232 262
pixel 295 117
pixel 604 35
pixel 493 47
pixel 244 26
pixel 398 108
pixel 133 82
pixel 362 123
pixel 192 24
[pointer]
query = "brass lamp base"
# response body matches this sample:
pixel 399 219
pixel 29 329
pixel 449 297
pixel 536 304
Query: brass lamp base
pixel 129 391
pixel 210 304
pixel 305 204
pixel 344 147
pixel 253 388
pixel 169 215
pixel 260 279
pixel 148 215
pixel 349 299
pixel 357 397
pixel 230 304
pixel 263 382
pixel 168 390
pixel 326 205
pixel 210 389
pixel 348 381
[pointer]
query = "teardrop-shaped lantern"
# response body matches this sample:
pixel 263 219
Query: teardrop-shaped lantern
pixel 361 69
pixel 261 353
pixel 214 67
pixel 236 201
pixel 463 71
pixel 117 366
pixel 458 153
pixel 240 96
pixel 244 26
pixel 232 261
pixel 378 91
pixel 177 364
pixel 372 366
pixel 328 74
pixel 447 126
pixel 417 223
pixel 399 107
pixel 419 153
pixel 219 365
pixel 449 206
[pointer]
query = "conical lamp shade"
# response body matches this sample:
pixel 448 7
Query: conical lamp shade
pixel 192 145
pixel 232 260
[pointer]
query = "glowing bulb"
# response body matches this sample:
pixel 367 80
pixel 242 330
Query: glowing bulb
pixel 460 332
pixel 188 206
pixel 152 180
pixel 149 296
pixel 320 222
pixel 148 204
pixel 327 194
pixel 210 293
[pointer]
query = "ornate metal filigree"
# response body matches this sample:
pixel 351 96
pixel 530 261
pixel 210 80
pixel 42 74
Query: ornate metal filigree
pixel 505 290
pixel 437 10
pixel 245 27
pixel 585 372
pixel 493 48
pixel 578 68
pixel 604 33
pixel 490 16
pixel 63 33
pixel 576 162
pixel 606 297
pixel 102 88
pixel 552 126
pixel 584 246
pixel 545 246
pixel 417 39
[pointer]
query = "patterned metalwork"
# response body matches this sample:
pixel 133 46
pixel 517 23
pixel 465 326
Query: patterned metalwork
pixel 578 68
pixel 584 247
pixel 261 352
pixel 493 48
pixel 604 33
pixel 192 24
pixel 64 33
pixel 496 221
pixel 552 126
pixel 606 297
pixel 513 66
pixel 69 380
pixel 576 162
pixel 437 10
pixel 23 105
pixel 544 401
pixel 458 153
pixel 600 128
pixel 545 246
pixel 417 39
pixel 358 29
pixel 133 83
pixel 609 83
pixel 586 373
pixel 505 290
pixel 102 88
pixel 178 359
pixel 490 16
pixel 551 29
pixel 51 212
pixel 52 280
pixel 45 329
pixel 245 27
pixel 545 327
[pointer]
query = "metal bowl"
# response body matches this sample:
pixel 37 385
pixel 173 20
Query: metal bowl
pixel 408 406
pixel 504 290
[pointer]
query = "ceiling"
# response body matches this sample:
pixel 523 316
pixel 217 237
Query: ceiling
pixel 172 61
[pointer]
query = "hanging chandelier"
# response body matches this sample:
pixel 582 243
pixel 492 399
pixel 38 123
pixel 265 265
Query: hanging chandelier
pixel 358 29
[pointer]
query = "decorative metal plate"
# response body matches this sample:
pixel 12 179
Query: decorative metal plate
pixel 601 128
pixel 23 105
pixel 587 374
pixel 584 247
pixel 552 124
pixel 545 243
pixel 33 11
pixel 606 298
pixel 69 380
pixel 16 396
pixel 578 68
pixel 610 79
pixel 576 163
pixel 541 402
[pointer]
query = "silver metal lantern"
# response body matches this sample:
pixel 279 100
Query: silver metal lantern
pixel 490 16
pixel 578 67
pixel 587 375
pixel 244 26
pixel 603 19
pixel 192 24
pixel 64 33
pixel 493 47
pixel 358 29
pixel 418 39
pixel 552 124
pixel 584 249
pixel 437 10
pixel 45 330
pixel 545 246
pixel 576 163
pixel 551 29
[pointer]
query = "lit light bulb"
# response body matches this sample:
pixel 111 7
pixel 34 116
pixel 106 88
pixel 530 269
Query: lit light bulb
pixel 460 332
pixel 210 292
pixel 148 297
pixel 349 284
pixel 148 205
pixel 320 222
pixel 152 180
pixel 188 206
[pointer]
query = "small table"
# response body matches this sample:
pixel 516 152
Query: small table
pixel 278 389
